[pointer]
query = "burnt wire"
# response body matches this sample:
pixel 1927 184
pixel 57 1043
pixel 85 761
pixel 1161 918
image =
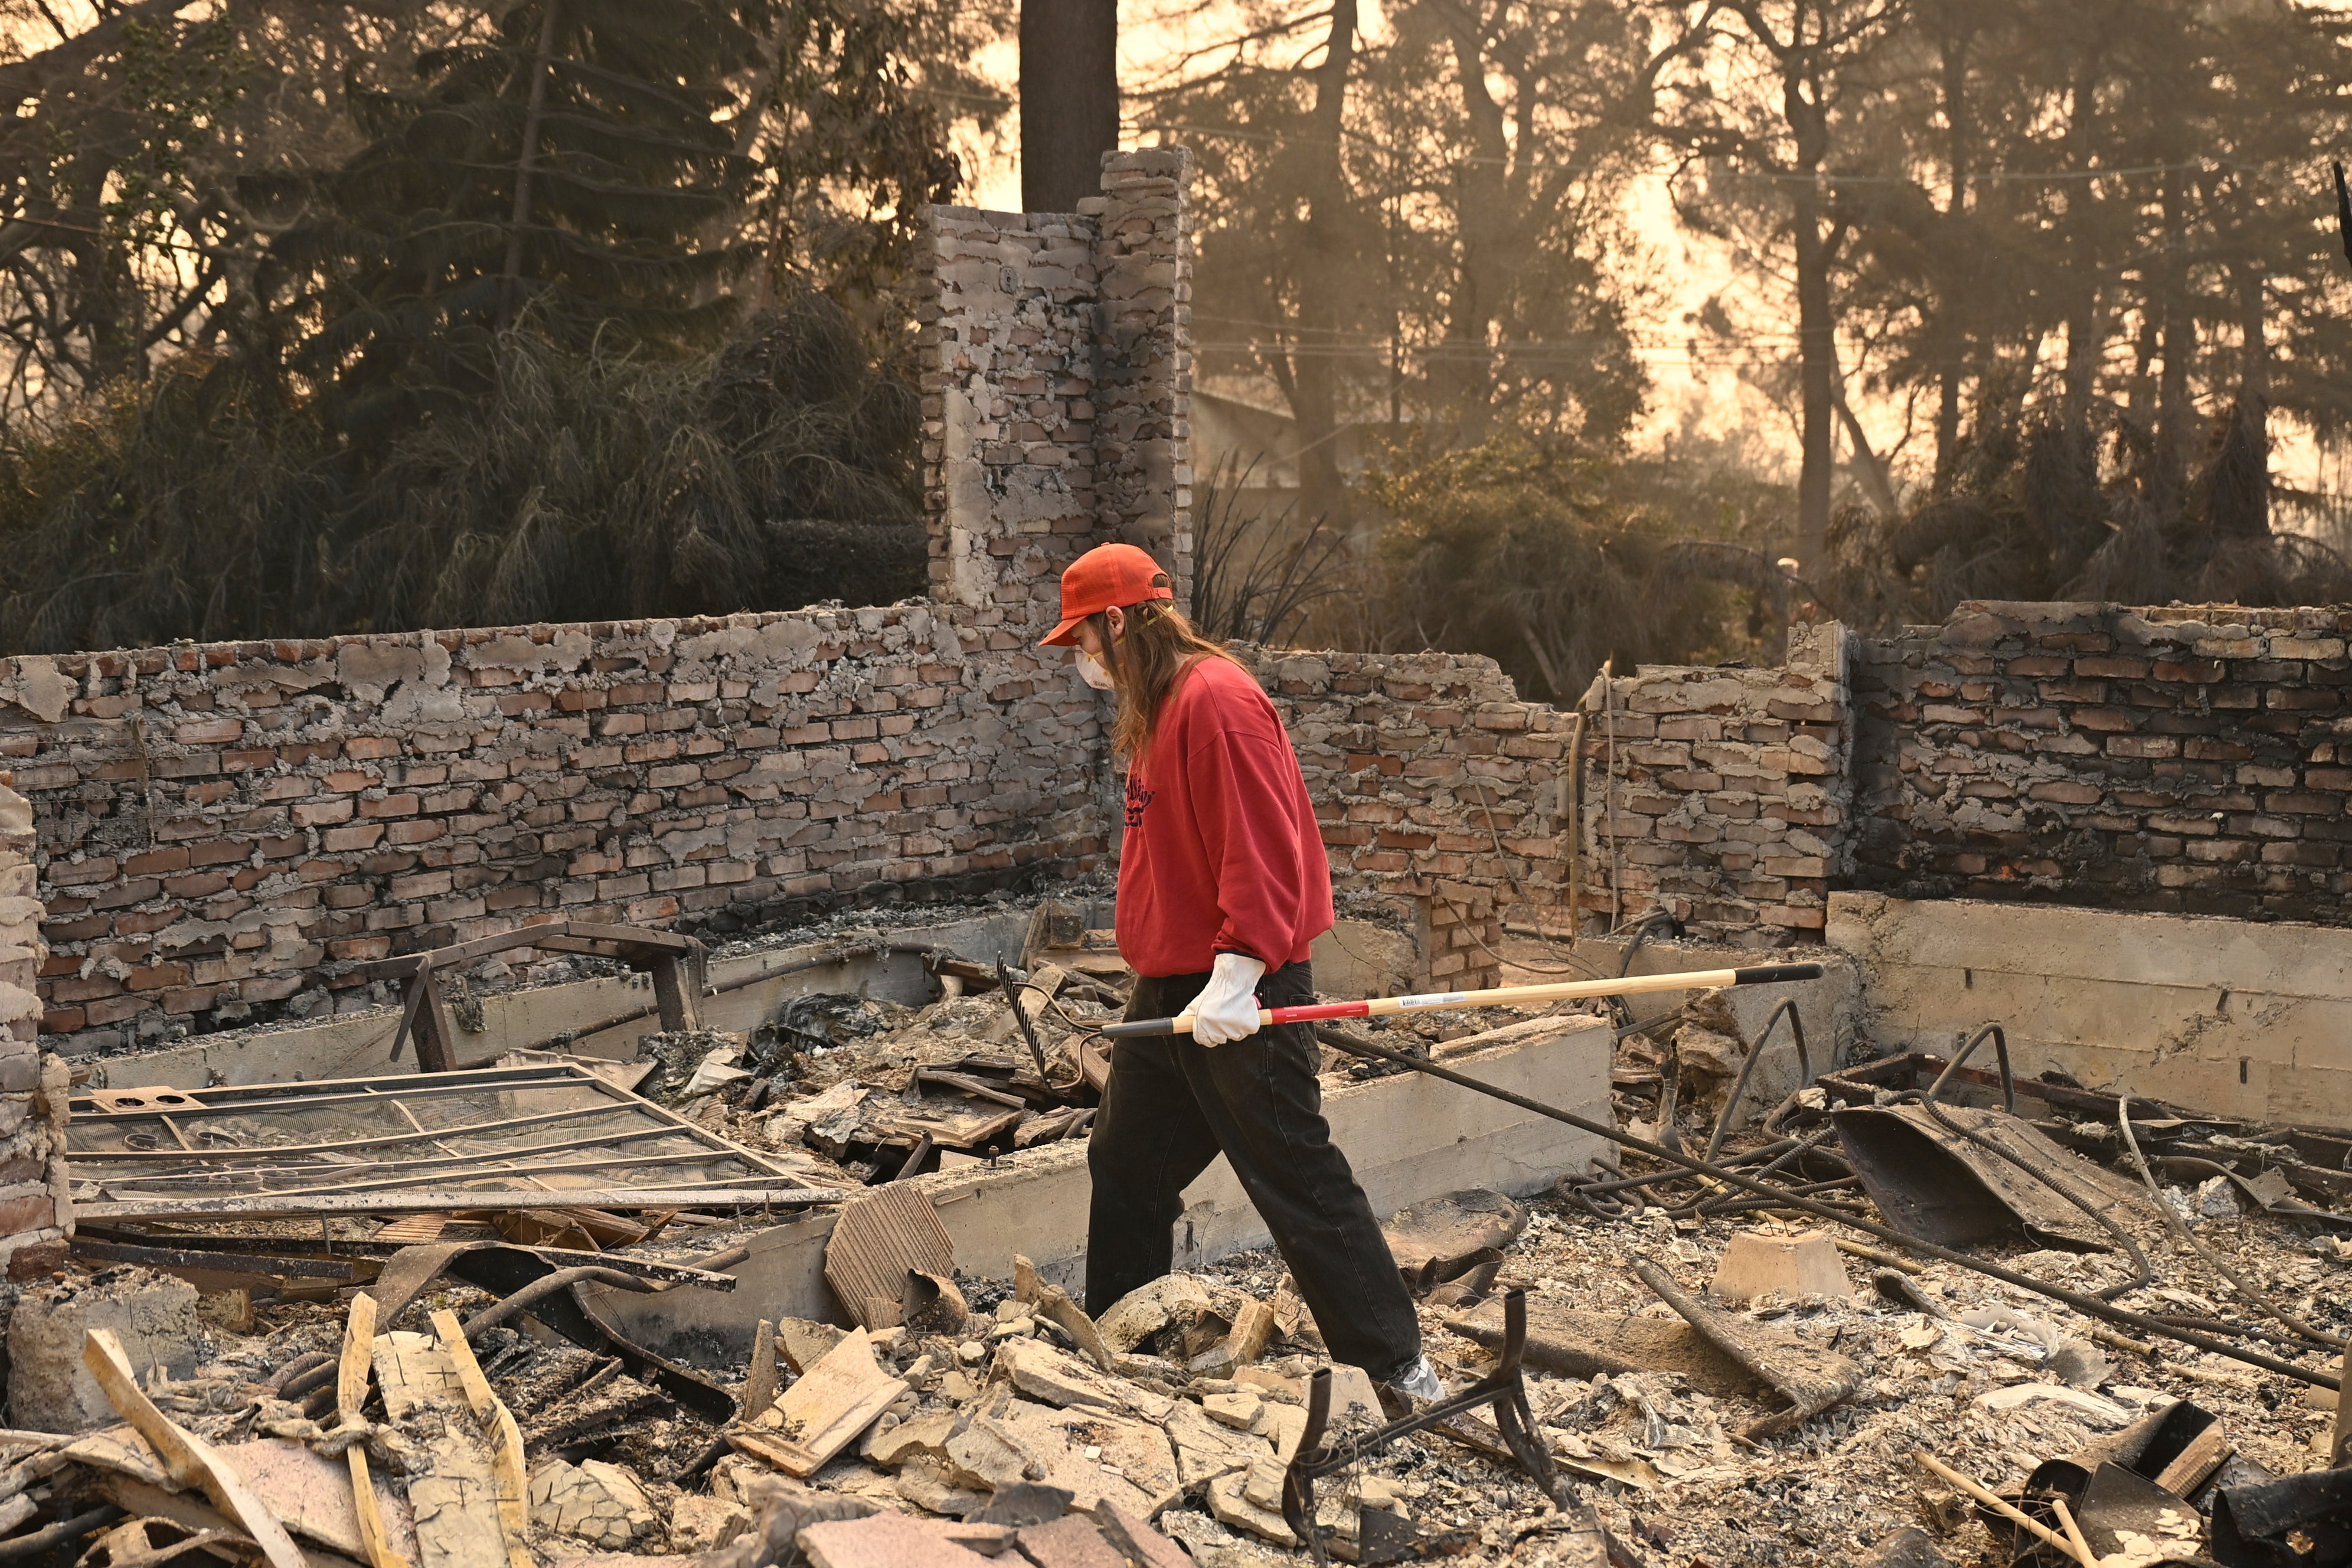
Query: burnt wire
pixel 2253 1294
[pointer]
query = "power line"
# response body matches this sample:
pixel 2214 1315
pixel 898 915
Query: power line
pixel 1785 177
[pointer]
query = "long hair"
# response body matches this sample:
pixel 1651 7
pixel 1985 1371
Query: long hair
pixel 1159 645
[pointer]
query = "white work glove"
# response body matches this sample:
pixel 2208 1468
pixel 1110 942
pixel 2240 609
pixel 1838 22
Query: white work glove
pixel 1226 1009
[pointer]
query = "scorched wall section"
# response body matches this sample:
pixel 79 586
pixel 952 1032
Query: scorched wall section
pixel 1436 786
pixel 2195 758
pixel 221 824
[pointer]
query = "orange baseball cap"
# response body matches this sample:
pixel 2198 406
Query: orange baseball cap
pixel 1107 576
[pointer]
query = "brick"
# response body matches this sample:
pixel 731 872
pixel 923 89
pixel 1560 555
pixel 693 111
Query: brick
pixel 2102 719
pixel 38 1260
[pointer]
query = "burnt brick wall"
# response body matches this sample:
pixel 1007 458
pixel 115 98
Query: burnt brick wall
pixel 1435 785
pixel 36 1208
pixel 220 826
pixel 1721 796
pixel 1057 376
pixel 2194 758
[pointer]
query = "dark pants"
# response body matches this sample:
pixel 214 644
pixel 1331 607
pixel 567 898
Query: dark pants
pixel 1172 1106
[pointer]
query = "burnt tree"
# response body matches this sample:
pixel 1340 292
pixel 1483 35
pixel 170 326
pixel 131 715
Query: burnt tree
pixel 1069 99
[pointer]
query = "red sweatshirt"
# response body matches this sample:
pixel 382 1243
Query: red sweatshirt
pixel 1222 853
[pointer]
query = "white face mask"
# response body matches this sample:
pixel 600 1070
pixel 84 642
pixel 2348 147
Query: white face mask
pixel 1091 671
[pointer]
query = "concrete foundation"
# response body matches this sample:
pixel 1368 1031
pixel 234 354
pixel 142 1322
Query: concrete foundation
pixel 1409 1138
pixel 2235 1017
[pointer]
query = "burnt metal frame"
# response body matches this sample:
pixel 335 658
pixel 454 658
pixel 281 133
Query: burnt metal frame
pixel 1503 1388
pixel 2000 1037
pixel 674 962
pixel 191 1107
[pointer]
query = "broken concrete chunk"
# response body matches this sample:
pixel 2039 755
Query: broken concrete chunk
pixel 804 1344
pixel 569 1499
pixel 1353 1397
pixel 1176 1300
pixel 1071 1542
pixel 1228 1500
pixel 1053 1303
pixel 988 1540
pixel 1756 1265
pixel 1242 1411
pixel 929 1484
pixel 706 1523
pixel 1262 1484
pixel 1046 1375
pixel 1205 1449
pixel 49 1389
pixel 1133 1463
pixel 1710 1060
pixel 892 1444
pixel 622 1484
pixel 882 1540
pixel 1025 1505
pixel 1271 1385
pixel 1286 1424
pixel 1448 1232
pixel 780 1511
pixel 1216 1361
pixel 1253 1329
pixel 1142 1546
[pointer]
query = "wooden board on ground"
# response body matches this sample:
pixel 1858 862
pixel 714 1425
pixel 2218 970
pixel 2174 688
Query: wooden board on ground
pixel 455 1500
pixel 505 1438
pixel 186 1458
pixel 350 1393
pixel 831 1404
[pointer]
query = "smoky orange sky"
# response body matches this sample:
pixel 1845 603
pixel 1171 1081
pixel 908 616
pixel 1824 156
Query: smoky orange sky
pixel 1695 387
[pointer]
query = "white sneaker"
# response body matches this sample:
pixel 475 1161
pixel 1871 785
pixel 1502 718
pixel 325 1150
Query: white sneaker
pixel 1421 1381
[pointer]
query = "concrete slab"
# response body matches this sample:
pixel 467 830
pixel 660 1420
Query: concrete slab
pixel 1409 1138
pixel 2235 1017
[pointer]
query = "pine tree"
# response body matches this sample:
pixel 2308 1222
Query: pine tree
pixel 576 169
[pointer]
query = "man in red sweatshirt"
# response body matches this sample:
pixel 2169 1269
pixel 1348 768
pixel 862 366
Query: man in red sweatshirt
pixel 1223 887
